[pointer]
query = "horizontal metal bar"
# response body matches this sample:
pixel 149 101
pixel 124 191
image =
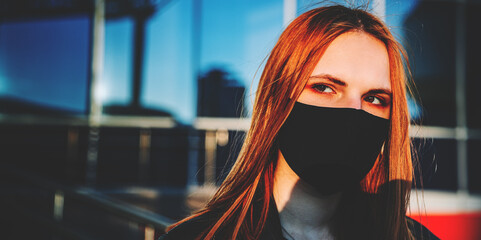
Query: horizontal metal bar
pixel 210 124
pixel 133 213
pixel 235 124
pixel 457 133
pixel 431 132
pixel 101 121
pixel 142 122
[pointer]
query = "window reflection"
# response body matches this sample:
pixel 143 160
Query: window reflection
pixel 429 31
pixel 168 79
pixel 238 41
pixel 117 71
pixel 44 65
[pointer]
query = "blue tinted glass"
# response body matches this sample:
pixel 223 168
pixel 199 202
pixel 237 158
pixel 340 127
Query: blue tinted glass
pixel 306 5
pixel 236 37
pixel 396 13
pixel 45 62
pixel 427 30
pixel 168 78
pixel 117 75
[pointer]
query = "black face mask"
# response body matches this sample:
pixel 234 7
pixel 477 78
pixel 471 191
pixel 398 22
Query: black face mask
pixel 331 149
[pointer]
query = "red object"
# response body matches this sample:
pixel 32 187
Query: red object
pixel 452 226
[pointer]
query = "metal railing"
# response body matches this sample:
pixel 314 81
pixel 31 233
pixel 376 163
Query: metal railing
pixel 148 221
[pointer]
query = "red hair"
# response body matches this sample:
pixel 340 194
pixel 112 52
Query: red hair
pixel 291 62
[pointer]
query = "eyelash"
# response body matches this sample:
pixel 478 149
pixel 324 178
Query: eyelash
pixel 381 100
pixel 317 87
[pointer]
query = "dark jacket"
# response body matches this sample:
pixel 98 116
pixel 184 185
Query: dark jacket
pixel 272 229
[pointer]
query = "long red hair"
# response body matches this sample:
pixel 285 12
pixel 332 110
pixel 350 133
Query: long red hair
pixel 287 70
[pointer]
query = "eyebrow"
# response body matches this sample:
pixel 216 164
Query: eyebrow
pixel 380 91
pixel 338 81
pixel 331 78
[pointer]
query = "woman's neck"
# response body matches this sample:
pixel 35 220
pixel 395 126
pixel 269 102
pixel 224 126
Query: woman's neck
pixel 303 212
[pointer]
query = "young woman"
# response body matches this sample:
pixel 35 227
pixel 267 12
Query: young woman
pixel 328 154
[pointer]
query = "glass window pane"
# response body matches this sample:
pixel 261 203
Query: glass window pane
pixel 474 166
pixel 306 5
pixel 117 75
pixel 235 43
pixel 169 83
pixel 473 63
pixel 438 163
pixel 45 63
pixel 428 30
pixel 396 14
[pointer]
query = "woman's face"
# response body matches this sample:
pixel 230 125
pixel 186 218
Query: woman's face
pixel 352 73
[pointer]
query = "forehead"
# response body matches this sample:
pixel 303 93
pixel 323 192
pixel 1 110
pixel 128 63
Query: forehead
pixel 357 58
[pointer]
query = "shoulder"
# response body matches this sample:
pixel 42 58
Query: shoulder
pixel 190 229
pixel 419 231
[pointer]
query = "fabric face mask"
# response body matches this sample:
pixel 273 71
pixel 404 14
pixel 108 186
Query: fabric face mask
pixel 331 149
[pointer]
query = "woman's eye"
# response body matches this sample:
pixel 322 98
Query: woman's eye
pixel 375 100
pixel 322 88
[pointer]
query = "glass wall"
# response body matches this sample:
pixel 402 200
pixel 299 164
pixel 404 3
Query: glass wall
pixel 168 71
pixel 117 73
pixel 44 64
pixel 238 42
pixel 192 59
pixel 441 47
